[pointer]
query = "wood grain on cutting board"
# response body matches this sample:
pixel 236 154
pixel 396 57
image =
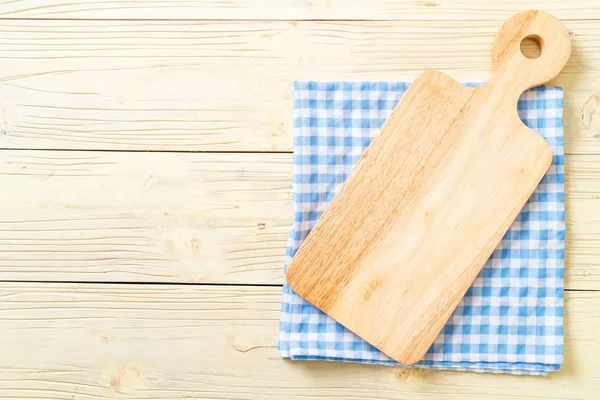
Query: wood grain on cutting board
pixel 431 198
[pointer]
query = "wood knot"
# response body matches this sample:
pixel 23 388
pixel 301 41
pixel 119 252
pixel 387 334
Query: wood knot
pixel 268 35
pixel 371 288
pixel 126 378
pixel 590 109
pixel 196 246
pixel 411 376
pixel 428 3
pixel 104 335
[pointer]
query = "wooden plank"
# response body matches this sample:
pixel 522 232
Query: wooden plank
pixel 227 86
pixel 582 257
pixel 93 342
pixel 168 217
pixel 144 216
pixel 295 9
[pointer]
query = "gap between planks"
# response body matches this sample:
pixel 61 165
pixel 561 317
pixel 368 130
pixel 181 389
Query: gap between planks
pixel 75 282
pixel 158 151
pixel 253 19
pixel 183 284
pixel 199 151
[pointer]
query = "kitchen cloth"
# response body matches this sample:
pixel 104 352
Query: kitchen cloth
pixel 511 319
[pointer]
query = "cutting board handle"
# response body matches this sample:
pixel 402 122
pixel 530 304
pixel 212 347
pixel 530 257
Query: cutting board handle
pixel 511 68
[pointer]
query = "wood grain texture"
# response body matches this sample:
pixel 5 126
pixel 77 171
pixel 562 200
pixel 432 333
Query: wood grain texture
pixel 431 198
pixel 150 217
pixel 176 85
pixel 167 217
pixel 227 86
pixel 295 9
pixel 172 342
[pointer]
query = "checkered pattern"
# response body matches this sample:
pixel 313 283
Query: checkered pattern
pixel 511 319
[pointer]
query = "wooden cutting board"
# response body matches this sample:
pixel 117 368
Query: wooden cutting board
pixel 430 199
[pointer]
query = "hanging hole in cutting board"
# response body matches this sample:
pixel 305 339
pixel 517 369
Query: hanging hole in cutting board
pixel 532 46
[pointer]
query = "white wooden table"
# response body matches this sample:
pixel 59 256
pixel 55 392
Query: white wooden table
pixel 145 190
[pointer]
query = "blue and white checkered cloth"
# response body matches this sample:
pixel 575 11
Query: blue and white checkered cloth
pixel 511 319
